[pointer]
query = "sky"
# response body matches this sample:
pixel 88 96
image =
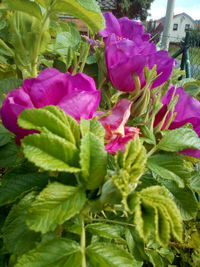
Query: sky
pixel 190 7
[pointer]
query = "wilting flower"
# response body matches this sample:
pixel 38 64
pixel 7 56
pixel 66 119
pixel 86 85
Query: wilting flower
pixel 76 95
pixel 128 51
pixel 187 110
pixel 117 134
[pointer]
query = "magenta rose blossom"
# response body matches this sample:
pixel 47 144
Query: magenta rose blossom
pixel 124 28
pixel 76 95
pixel 117 134
pixel 128 50
pixel 187 110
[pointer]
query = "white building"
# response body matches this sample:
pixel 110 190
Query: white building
pixel 180 24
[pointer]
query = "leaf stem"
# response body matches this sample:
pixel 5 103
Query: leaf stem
pixel 152 151
pixel 83 240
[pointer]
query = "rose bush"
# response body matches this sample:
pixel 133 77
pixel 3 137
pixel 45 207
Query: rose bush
pixel 99 177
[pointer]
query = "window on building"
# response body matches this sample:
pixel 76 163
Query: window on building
pixel 175 27
pixel 187 27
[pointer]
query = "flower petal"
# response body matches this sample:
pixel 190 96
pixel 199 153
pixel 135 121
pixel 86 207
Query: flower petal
pixel 119 116
pixel 81 104
pixel 165 65
pixel 112 25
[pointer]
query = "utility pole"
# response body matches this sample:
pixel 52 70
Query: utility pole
pixel 168 24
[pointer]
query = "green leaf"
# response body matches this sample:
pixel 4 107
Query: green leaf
pixel 5 135
pixel 55 253
pixel 195 182
pixel 8 155
pixel 18 181
pixel 68 120
pixel 107 230
pixel 92 126
pixel 44 3
pixel 192 88
pixel 110 193
pixel 49 119
pixel 179 139
pixel 51 152
pixel 133 159
pixel 148 135
pixel 110 255
pixel 86 10
pixel 154 211
pixel 8 84
pixel 26 6
pixel 5 49
pixel 184 199
pixel 169 166
pixel 93 161
pixel 155 258
pixel 17 237
pixel 63 42
pixel 56 204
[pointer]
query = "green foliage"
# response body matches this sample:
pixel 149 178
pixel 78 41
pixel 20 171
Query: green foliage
pixel 195 182
pixel 51 119
pixel 57 252
pixel 5 136
pixel 109 255
pixel 86 10
pixel 51 152
pixel 179 139
pixel 133 159
pixel 17 237
pixel 55 204
pixel 155 212
pixel 184 199
pixel 73 204
pixel 93 161
pixel 20 180
pixel 25 6
pixel 129 167
pixel 137 9
pixel 107 231
pixel 92 126
pixel 170 166
pixel 8 155
pixel 6 85
pixel 30 33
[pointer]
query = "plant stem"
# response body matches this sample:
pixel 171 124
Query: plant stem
pixel 84 58
pixel 152 151
pixel 83 264
pixel 38 44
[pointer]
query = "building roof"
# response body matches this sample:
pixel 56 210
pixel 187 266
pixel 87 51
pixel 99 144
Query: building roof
pixel 161 20
pixel 107 4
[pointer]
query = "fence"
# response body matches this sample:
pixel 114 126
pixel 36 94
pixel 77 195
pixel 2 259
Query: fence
pixel 187 53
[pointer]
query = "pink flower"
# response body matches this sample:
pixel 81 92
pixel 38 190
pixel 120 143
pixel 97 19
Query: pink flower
pixel 187 110
pixel 128 50
pixel 76 95
pixel 117 134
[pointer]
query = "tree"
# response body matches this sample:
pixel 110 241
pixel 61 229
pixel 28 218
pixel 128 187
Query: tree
pixel 137 9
